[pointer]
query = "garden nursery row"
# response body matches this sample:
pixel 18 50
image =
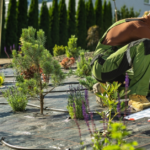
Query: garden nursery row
pixel 52 103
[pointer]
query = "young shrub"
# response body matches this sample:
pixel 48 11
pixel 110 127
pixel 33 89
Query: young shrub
pixel 83 66
pixel 112 139
pixel 16 98
pixel 110 99
pixel 76 97
pixel 72 50
pixel 19 78
pixel 34 54
pixel 93 37
pixel 58 50
pixel 67 62
pixel 88 82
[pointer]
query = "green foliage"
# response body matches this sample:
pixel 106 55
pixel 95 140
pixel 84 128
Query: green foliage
pixel 76 97
pixel 98 15
pixel 93 37
pixel 90 14
pixel 81 24
pixel 58 50
pixel 19 78
pixel 11 25
pixel 71 18
pixel 63 36
pixel 2 53
pixel 124 12
pixel 114 140
pixel 16 98
pixel 83 66
pixel 110 98
pixel 109 11
pixel 44 24
pixel 54 24
pixel 72 50
pixel 35 54
pixel 88 82
pixel 105 16
pixel 21 17
pixel 33 14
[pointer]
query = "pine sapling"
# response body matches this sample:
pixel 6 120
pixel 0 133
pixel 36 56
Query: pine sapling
pixel 35 54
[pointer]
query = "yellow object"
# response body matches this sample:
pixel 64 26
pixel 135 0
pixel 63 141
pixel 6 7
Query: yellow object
pixel 138 102
pixel 101 89
pixel 146 13
pixel 1 80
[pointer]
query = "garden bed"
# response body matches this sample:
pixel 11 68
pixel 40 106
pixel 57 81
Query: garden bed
pixel 54 130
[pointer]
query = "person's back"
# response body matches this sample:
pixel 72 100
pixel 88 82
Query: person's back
pixel 126 44
pixel 129 31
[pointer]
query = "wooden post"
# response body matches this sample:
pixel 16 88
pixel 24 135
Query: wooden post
pixel 1 15
pixel 115 11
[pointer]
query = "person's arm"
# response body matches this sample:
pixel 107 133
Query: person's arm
pixel 141 32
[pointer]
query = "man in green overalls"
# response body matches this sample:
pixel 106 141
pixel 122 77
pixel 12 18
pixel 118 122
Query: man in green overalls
pixel 125 45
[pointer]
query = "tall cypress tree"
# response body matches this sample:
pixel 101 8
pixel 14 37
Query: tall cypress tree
pixel 71 18
pixel 109 11
pixel 21 17
pixel 44 24
pixel 3 32
pixel 33 14
pixel 90 15
pixel 54 24
pixel 105 17
pixel 11 25
pixel 62 23
pixel 81 24
pixel 98 15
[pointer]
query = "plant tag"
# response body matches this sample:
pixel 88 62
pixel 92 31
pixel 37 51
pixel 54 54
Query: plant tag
pixel 139 115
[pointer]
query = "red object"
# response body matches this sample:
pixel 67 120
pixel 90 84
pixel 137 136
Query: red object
pixel 148 120
pixel 131 119
pixel 67 62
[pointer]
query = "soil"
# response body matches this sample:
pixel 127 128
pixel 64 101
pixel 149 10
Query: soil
pixel 5 63
pixel 53 129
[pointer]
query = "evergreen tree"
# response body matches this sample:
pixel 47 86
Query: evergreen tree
pixel 90 15
pixel 33 14
pixel 71 18
pixel 62 23
pixel 54 24
pixel 124 12
pixel 3 32
pixel 98 15
pixel 11 25
pixel 105 17
pixel 44 24
pixel 109 11
pixel 81 24
pixel 133 14
pixel 21 17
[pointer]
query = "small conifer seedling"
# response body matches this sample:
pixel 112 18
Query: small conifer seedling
pixel 34 54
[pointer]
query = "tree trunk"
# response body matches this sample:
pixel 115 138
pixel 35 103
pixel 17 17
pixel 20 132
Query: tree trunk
pixel 115 11
pixel 41 103
pixel 1 15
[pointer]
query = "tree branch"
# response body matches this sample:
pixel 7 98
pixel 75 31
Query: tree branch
pixel 49 91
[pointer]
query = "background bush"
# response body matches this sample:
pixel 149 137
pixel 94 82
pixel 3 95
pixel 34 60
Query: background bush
pixel 58 50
